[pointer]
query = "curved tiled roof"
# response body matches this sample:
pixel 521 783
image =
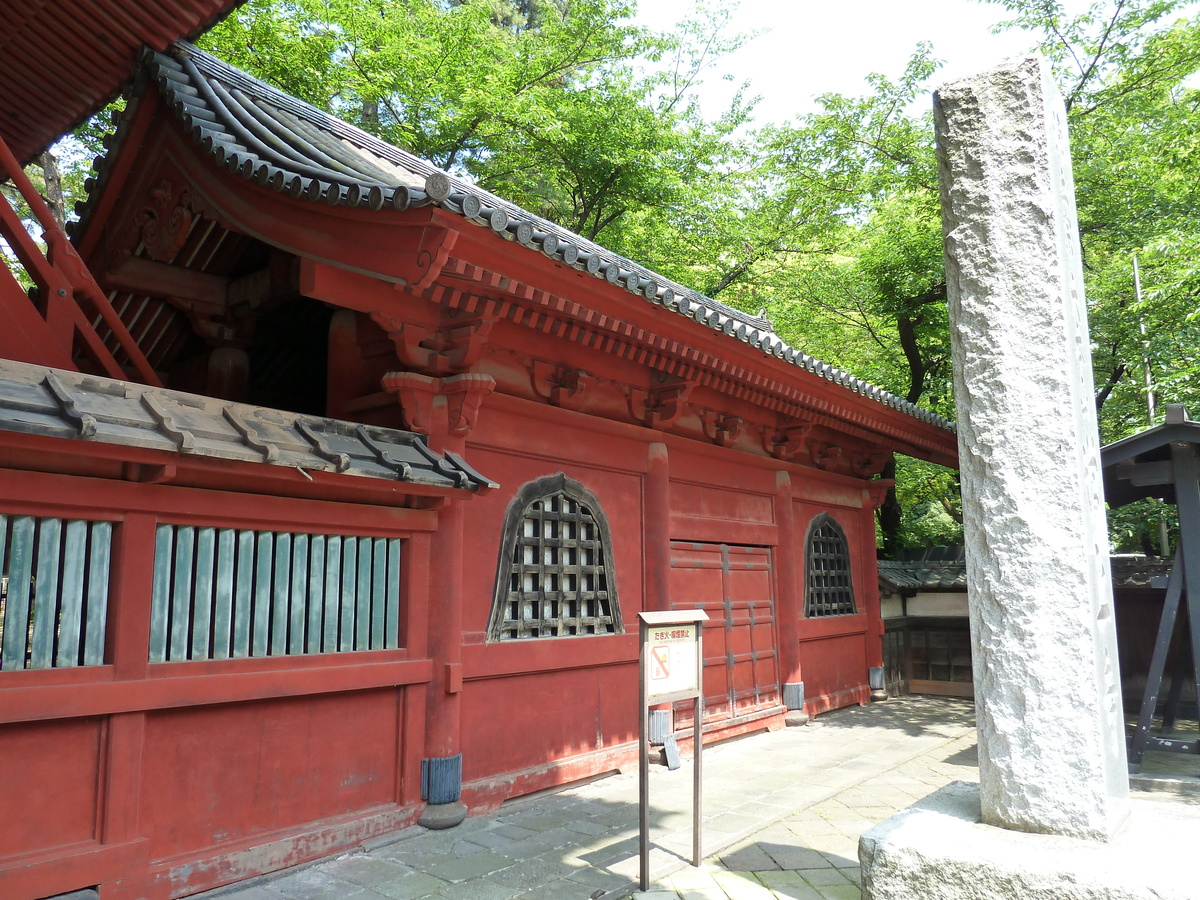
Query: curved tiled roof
pixel 277 141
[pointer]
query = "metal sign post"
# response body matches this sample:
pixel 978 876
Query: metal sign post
pixel 671 667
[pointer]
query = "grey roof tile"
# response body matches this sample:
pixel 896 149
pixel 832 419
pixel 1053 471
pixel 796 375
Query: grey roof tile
pixel 39 400
pixel 923 575
pixel 944 569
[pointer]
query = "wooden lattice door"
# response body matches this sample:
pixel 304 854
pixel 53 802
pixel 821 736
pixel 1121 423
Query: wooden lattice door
pixel 741 655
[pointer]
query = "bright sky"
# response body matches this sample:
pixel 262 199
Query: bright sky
pixel 811 47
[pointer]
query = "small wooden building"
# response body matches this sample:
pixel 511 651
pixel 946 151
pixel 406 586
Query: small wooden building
pixel 927 635
pixel 368 541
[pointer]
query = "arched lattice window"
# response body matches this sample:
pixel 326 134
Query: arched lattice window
pixel 555 574
pixel 827 587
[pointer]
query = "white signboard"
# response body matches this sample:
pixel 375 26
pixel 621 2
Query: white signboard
pixel 671 664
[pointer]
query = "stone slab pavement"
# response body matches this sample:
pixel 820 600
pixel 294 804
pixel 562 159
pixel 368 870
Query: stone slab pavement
pixel 782 816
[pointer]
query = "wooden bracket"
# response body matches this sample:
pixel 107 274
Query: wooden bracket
pixel 415 393
pixel 464 395
pixel 148 473
pixel 787 442
pixel 720 428
pixel 559 385
pixel 868 464
pixel 877 491
pixel 826 455
pixel 660 404
pixel 166 221
pixel 424 400
pixel 438 350
pixel 422 261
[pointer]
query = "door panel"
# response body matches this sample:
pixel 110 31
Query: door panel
pixel 741 662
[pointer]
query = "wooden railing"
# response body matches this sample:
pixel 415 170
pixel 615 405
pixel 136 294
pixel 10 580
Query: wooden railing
pixel 57 325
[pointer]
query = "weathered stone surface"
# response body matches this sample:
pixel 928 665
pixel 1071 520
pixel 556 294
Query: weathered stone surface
pixel 1051 735
pixel 443 815
pixel 939 850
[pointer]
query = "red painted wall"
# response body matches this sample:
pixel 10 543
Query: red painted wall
pixel 49 779
pixel 160 780
pixel 569 705
pixel 225 773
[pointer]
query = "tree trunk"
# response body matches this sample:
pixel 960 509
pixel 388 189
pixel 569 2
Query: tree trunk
pixel 370 116
pixel 890 514
pixel 52 192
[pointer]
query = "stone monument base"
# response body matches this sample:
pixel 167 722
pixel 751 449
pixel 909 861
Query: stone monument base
pixel 940 850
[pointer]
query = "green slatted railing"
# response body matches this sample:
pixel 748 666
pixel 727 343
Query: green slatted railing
pixel 228 594
pixel 54 600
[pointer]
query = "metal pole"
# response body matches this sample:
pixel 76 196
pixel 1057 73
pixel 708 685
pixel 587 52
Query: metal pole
pixel 1137 292
pixel 698 745
pixel 1164 540
pixel 643 765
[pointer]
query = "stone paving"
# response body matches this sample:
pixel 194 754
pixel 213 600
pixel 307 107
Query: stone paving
pixel 812 854
pixel 782 816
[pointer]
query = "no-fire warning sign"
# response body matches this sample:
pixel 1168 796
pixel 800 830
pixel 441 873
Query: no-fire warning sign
pixel 672 659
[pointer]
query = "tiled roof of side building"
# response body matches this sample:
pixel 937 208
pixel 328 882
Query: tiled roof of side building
pixel 945 569
pixel 283 143
pixel 54 403
pixel 924 575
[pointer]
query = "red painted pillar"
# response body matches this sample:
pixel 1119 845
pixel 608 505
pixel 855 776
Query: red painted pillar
pixel 656 548
pixel 788 601
pixel 347 378
pixel 125 733
pixel 874 496
pixel 444 409
pixel 657 528
pixel 414 635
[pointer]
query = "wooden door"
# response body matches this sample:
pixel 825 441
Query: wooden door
pixel 741 657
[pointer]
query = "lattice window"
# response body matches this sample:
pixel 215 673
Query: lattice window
pixel 555 574
pixel 828 591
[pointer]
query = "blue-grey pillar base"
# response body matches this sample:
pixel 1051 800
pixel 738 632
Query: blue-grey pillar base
pixel 875 680
pixel 441 786
pixel 441 779
pixel 660 725
pixel 793 699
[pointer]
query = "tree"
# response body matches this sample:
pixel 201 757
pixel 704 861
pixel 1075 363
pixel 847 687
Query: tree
pixel 545 103
pixel 862 284
pixel 1128 73
pixel 830 223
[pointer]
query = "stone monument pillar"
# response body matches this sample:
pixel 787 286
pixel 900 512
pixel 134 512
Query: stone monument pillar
pixel 1053 790
pixel 1047 690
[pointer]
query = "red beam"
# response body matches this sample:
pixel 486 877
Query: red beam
pixel 291 677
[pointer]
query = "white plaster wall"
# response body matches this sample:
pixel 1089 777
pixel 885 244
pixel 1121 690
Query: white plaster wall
pixel 940 604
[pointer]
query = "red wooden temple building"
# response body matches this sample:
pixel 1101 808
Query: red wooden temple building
pixel 331 486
